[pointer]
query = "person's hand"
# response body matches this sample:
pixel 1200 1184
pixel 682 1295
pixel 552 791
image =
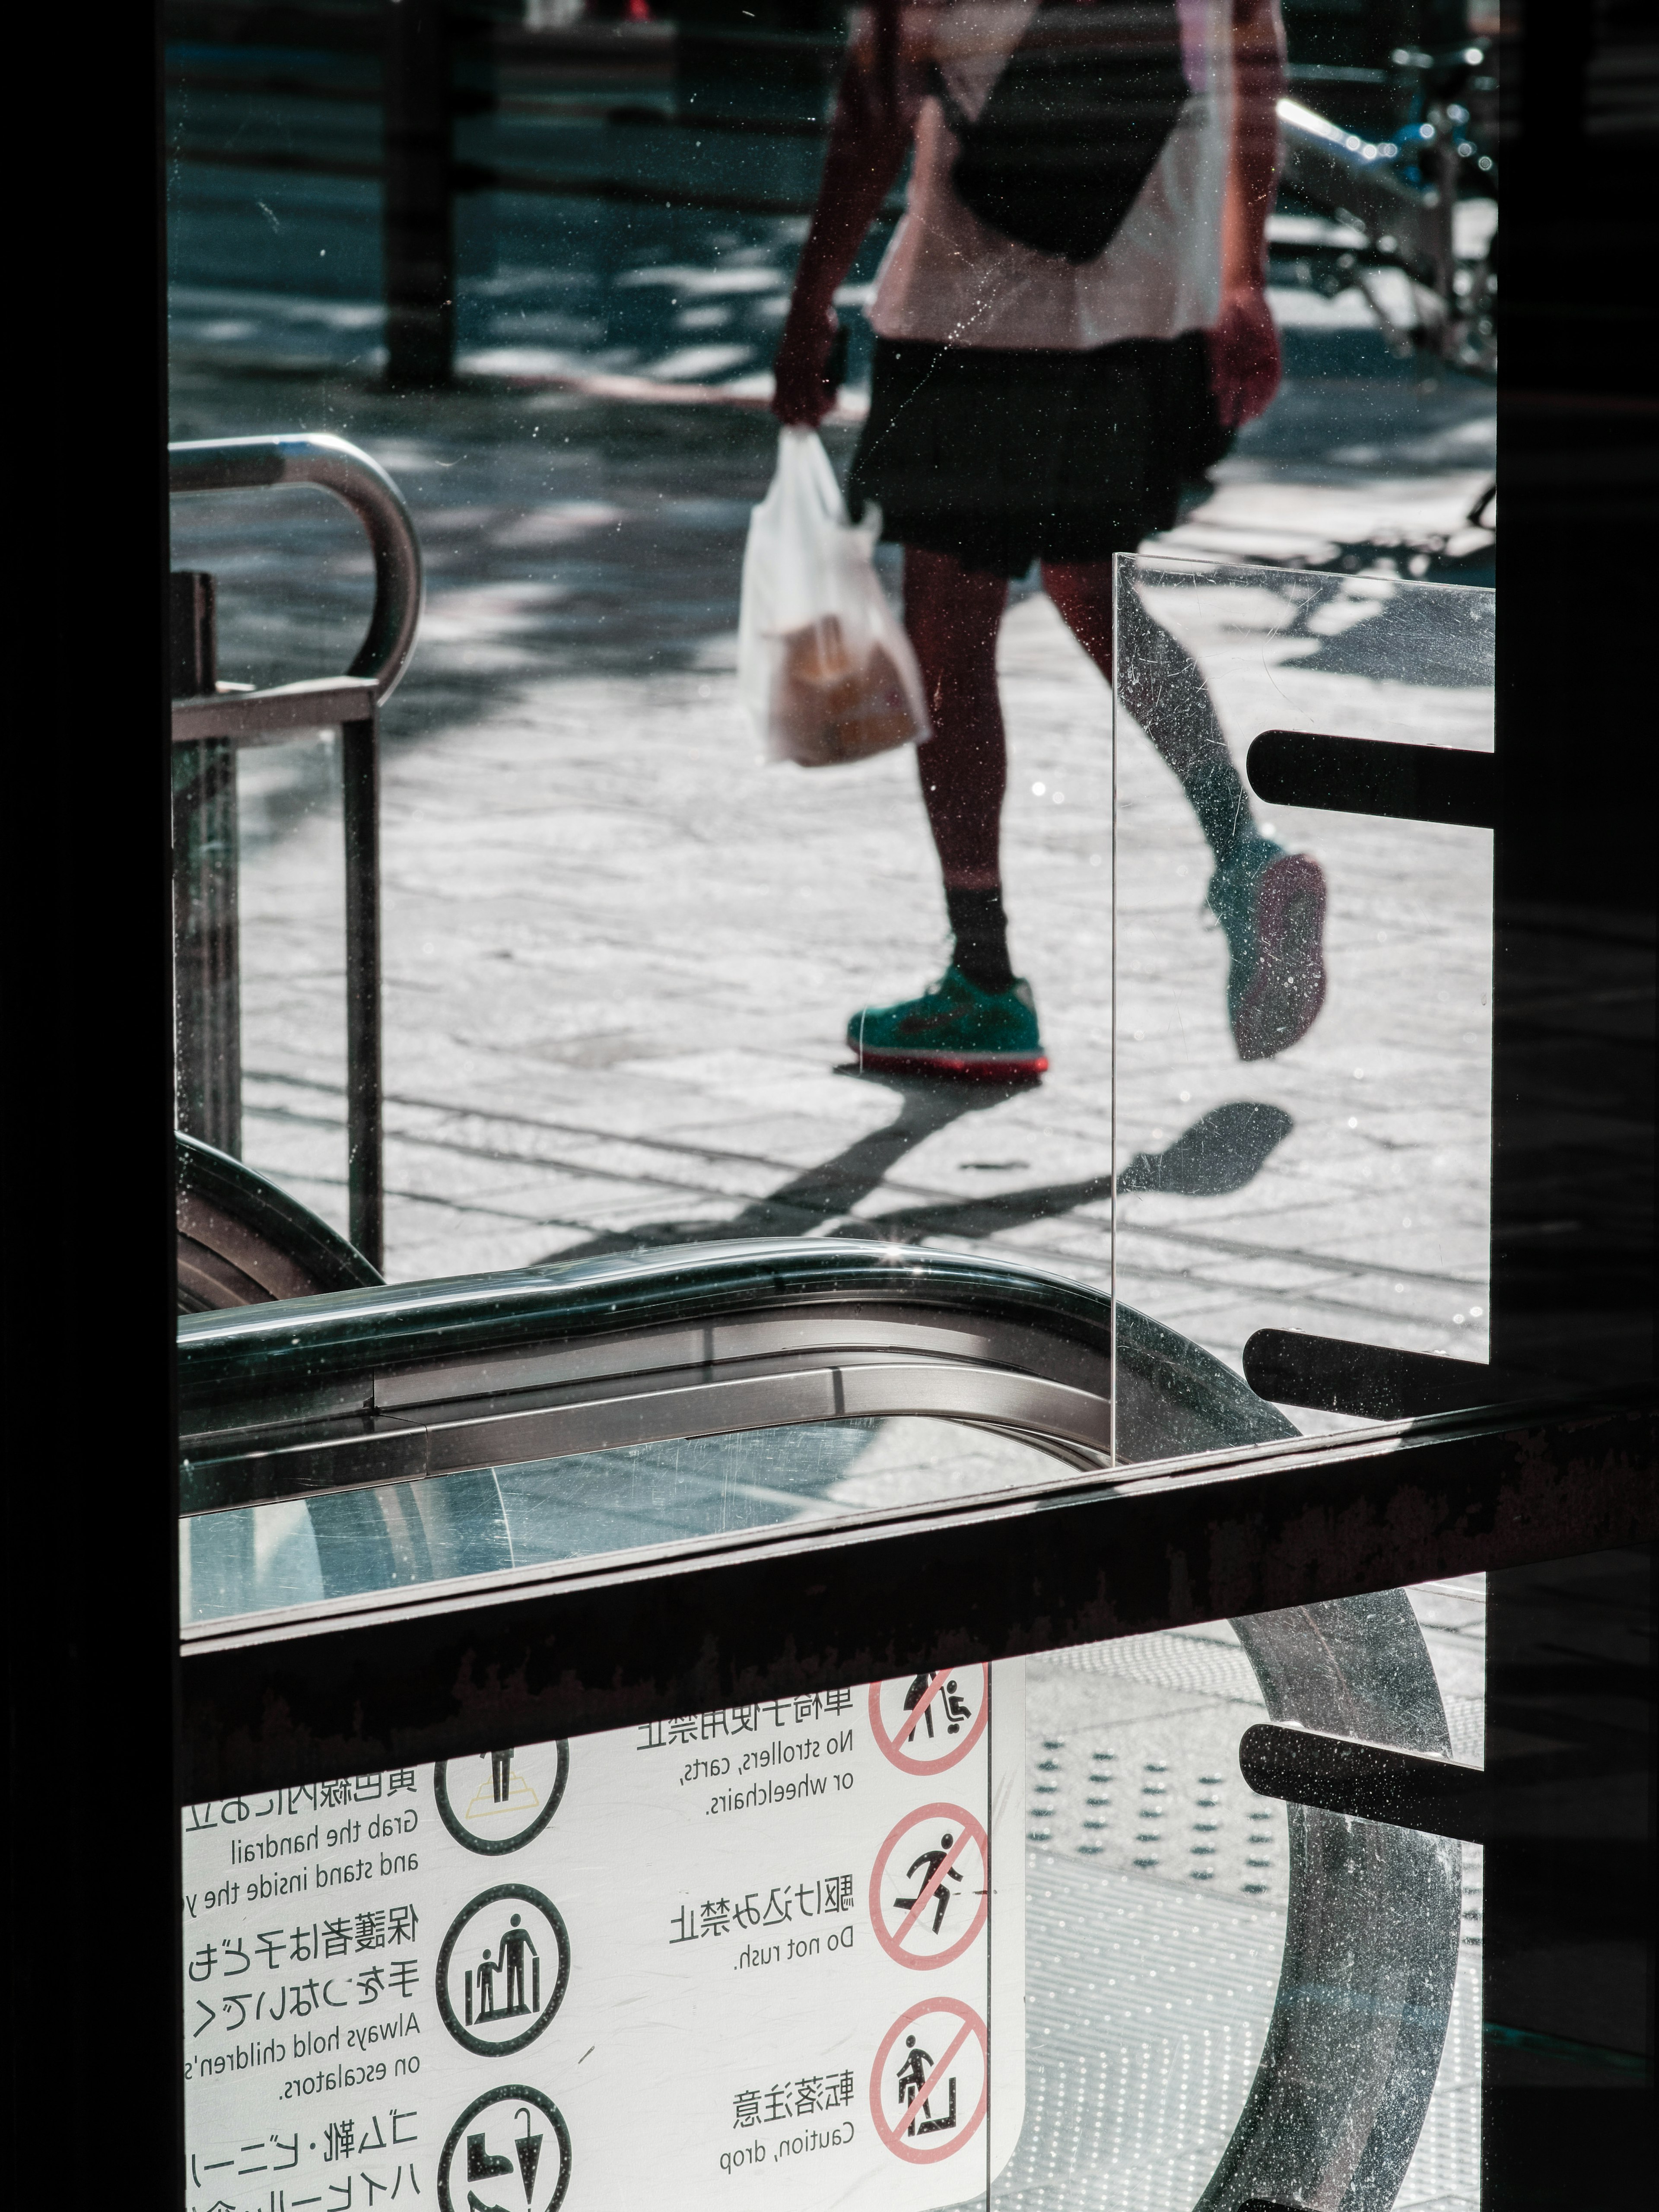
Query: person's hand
pixel 801 396
pixel 1245 365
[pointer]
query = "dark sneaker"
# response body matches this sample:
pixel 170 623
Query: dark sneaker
pixel 1272 905
pixel 954 1029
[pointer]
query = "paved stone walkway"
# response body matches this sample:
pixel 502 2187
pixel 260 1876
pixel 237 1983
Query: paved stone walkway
pixel 621 952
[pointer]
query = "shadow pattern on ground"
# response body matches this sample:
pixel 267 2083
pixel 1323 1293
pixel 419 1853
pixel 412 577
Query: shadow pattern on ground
pixel 1221 1152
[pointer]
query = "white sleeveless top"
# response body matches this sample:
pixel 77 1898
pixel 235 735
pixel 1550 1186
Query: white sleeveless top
pixel 948 279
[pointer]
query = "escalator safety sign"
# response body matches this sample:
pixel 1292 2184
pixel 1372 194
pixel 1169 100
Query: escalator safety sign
pixel 930 1890
pixel 927 1723
pixel 653 1965
pixel 930 2082
pixel 508 2152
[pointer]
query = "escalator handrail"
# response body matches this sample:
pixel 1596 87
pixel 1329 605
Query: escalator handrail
pixel 354 477
pixel 234 1361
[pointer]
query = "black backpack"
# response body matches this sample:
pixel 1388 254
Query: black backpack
pixel 1074 125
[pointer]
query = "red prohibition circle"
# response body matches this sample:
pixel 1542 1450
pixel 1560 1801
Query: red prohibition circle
pixel 902 1759
pixel 963 1822
pixel 974 2026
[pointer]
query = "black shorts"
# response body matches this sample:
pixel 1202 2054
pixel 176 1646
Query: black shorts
pixel 1002 457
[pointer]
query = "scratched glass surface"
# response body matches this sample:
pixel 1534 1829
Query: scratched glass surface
pixel 1335 1181
pixel 258 1557
pixel 621 954
pixel 746 1903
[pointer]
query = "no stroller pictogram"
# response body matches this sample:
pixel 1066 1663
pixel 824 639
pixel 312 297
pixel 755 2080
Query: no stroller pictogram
pixel 931 2080
pixel 928 1721
pixel 930 1889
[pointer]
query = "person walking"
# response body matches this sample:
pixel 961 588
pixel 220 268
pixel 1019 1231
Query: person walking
pixel 1070 323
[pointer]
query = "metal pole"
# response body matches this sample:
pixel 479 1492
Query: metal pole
pixel 418 220
pixel 360 769
pixel 207 981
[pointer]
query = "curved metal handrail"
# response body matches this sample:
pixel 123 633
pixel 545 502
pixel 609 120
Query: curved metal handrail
pixel 317 457
pixel 1373 1927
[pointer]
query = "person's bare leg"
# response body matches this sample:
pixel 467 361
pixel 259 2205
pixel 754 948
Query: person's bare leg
pixel 1165 690
pixel 953 615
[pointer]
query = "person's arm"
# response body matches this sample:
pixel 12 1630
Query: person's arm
pixel 868 140
pixel 1244 354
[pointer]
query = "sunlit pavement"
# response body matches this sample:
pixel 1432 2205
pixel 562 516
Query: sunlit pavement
pixel 621 952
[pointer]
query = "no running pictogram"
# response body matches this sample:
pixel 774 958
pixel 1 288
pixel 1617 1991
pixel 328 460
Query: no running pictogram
pixel 930 1889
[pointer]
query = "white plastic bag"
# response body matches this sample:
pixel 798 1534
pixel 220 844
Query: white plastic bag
pixel 824 667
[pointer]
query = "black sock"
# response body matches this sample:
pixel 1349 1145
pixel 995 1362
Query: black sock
pixel 980 929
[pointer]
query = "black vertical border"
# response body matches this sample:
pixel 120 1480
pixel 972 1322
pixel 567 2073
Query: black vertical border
pixel 91 1608
pixel 1568 2111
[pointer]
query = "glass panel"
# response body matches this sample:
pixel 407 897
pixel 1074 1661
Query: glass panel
pixel 962 1938
pixel 539 266
pixel 1286 1161
pixel 750 1951
pixel 288 1554
pixel 1164 1899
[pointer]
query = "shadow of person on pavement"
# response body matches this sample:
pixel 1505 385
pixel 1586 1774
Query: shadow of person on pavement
pixel 1223 1151
pixel 1220 1153
pixel 829 1188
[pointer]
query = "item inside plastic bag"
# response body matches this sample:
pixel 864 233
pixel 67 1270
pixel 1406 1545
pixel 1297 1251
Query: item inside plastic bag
pixel 823 666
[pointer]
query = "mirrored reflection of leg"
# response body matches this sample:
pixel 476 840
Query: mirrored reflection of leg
pixel 1270 902
pixel 1164 688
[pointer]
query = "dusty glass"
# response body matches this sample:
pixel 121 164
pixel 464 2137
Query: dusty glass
pixel 621 955
pixel 291 1551
pixel 1334 1181
pixel 944 1940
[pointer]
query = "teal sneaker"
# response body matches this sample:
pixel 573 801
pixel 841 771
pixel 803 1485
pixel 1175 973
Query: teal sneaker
pixel 954 1029
pixel 1272 905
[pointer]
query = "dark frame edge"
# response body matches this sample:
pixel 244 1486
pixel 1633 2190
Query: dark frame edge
pixel 1254 1532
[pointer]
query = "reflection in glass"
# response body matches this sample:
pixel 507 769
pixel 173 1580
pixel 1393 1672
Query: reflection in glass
pixel 1178 1926
pixel 1302 1090
pixel 620 956
pixel 291 1553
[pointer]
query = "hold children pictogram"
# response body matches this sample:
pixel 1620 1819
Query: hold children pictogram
pixel 503 1970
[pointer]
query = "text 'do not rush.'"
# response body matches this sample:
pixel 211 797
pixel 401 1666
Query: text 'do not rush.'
pixel 930 2085
pixel 926 1722
pixel 508 2152
pixel 503 1970
pixel 501 1800
pixel 930 1889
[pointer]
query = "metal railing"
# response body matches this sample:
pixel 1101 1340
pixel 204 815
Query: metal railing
pixel 210 721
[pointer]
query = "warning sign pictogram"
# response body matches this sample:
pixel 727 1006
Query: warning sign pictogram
pixel 928 1721
pixel 501 1800
pixel 931 2083
pixel 513 2141
pixel 930 1889
pixel 503 1969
